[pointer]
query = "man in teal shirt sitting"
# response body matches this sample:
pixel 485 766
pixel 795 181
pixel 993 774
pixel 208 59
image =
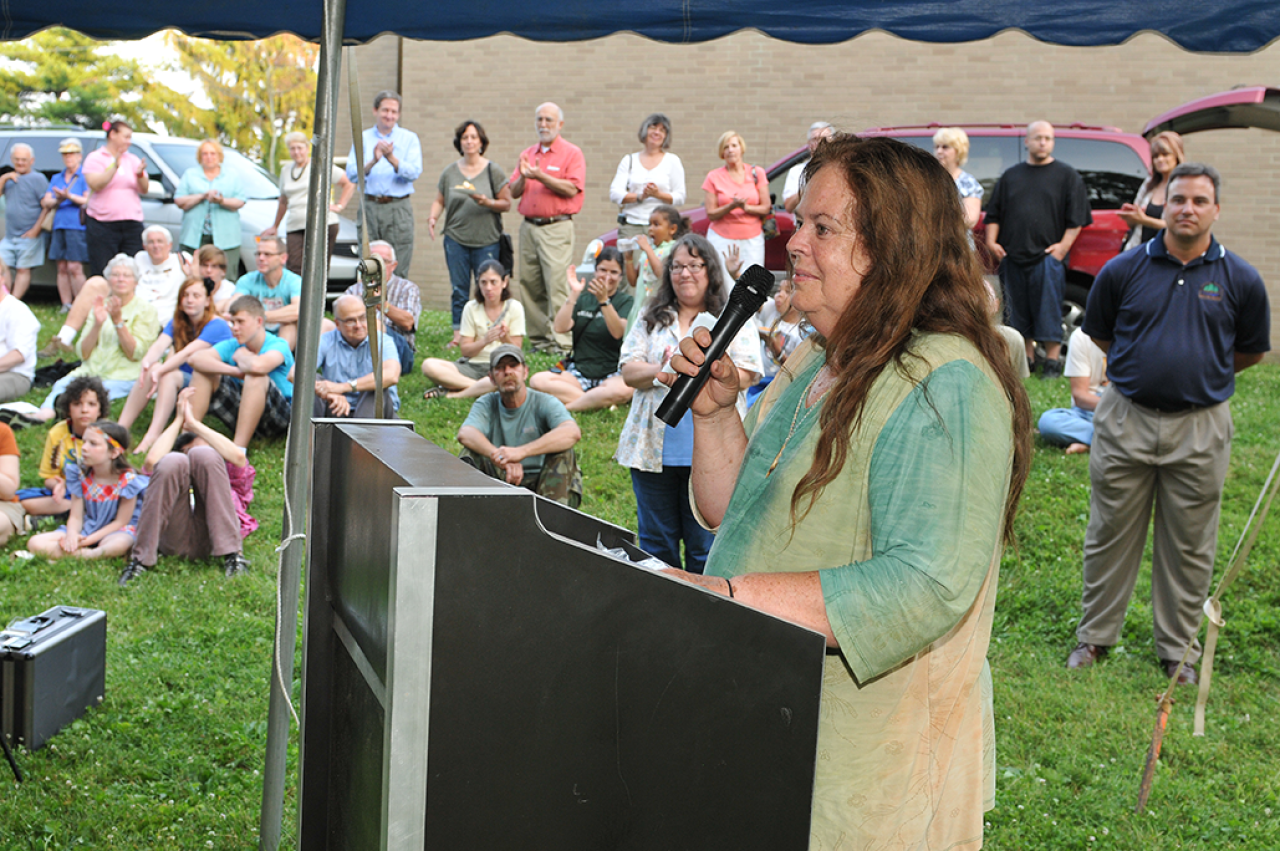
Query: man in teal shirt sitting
pixel 522 436
pixel 279 290
pixel 245 381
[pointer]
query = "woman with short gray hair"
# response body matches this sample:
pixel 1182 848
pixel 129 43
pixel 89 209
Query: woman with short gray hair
pixel 647 178
pixel 295 182
pixel 121 328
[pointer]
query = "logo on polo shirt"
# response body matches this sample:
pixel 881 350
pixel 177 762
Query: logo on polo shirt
pixel 1211 292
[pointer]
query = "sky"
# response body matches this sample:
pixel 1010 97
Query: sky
pixel 153 53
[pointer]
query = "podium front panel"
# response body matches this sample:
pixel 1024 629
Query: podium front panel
pixel 480 674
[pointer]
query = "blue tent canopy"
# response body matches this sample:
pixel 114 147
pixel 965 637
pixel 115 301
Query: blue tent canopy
pixel 1221 26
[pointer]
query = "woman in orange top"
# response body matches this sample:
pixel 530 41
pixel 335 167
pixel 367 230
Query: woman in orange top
pixel 737 199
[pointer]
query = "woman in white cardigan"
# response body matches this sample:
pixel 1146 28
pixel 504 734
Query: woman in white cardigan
pixel 647 178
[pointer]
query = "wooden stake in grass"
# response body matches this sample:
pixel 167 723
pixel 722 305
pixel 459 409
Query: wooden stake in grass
pixel 1153 752
pixel 1213 612
pixel 1213 606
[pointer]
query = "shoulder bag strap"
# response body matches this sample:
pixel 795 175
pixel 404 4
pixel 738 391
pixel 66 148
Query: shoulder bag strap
pixel 493 191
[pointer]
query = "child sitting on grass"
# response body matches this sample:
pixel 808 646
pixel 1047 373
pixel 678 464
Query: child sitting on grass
pixel 83 403
pixel 189 457
pixel 106 499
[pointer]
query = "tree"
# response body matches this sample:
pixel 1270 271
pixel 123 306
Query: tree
pixel 260 90
pixel 62 77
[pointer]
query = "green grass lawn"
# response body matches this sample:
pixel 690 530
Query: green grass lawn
pixel 173 758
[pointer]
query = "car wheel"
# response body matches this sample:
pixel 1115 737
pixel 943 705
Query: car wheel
pixel 1073 302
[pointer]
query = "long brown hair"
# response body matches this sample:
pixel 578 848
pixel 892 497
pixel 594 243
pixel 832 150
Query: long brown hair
pixel 922 276
pixel 1172 143
pixel 663 308
pixel 184 330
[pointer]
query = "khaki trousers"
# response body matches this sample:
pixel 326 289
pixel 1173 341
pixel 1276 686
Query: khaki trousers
pixel 393 222
pixel 1175 463
pixel 546 253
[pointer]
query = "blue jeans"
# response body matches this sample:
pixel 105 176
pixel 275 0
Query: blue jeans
pixel 1033 298
pixel 463 262
pixel 666 519
pixel 1064 426
pixel 404 348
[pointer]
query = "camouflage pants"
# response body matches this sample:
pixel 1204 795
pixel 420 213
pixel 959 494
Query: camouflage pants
pixel 559 481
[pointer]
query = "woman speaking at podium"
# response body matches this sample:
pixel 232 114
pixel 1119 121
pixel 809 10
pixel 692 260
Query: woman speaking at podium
pixel 869 494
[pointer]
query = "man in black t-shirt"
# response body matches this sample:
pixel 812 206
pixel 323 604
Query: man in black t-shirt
pixel 1035 214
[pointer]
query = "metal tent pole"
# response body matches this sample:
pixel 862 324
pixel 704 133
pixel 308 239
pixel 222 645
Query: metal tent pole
pixel 315 269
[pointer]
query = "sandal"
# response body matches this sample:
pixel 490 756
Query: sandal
pixel 435 393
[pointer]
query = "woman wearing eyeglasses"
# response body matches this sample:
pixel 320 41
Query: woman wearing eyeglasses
pixel 660 455
pixel 121 328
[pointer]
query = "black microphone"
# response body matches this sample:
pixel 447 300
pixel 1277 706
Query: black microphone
pixel 747 297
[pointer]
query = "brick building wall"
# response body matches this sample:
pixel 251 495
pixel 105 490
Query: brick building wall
pixel 770 91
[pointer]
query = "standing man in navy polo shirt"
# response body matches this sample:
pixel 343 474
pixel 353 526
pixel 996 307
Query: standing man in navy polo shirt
pixel 392 162
pixel 1178 317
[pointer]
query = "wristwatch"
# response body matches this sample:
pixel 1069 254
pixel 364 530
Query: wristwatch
pixel 353 386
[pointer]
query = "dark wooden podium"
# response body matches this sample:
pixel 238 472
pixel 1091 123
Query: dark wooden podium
pixel 477 674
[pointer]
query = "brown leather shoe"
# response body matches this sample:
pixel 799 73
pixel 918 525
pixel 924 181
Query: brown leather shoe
pixel 1186 677
pixel 1085 655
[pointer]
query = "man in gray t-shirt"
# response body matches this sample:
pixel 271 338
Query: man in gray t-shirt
pixel 522 436
pixel 23 246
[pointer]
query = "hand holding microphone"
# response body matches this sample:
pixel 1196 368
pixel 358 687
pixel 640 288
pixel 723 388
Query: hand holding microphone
pixel 721 387
pixel 702 350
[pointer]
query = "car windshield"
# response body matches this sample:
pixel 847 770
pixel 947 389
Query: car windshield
pixel 1112 171
pixel 257 181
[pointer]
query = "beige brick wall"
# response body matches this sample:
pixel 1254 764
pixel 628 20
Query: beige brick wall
pixel 378 69
pixel 770 92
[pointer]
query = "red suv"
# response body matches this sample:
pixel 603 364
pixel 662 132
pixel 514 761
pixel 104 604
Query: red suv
pixel 1112 163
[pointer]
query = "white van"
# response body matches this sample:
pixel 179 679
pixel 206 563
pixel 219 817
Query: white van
pixel 167 158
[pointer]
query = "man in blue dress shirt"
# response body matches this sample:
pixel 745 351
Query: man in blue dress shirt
pixel 392 162
pixel 345 387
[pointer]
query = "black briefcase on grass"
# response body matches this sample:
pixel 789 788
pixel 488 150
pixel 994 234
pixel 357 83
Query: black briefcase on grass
pixel 52 668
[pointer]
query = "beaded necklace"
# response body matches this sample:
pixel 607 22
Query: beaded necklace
pixel 797 420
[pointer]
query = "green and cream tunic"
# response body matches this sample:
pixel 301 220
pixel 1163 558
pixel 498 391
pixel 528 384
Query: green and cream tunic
pixel 907 540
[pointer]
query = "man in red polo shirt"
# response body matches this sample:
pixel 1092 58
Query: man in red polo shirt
pixel 548 182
